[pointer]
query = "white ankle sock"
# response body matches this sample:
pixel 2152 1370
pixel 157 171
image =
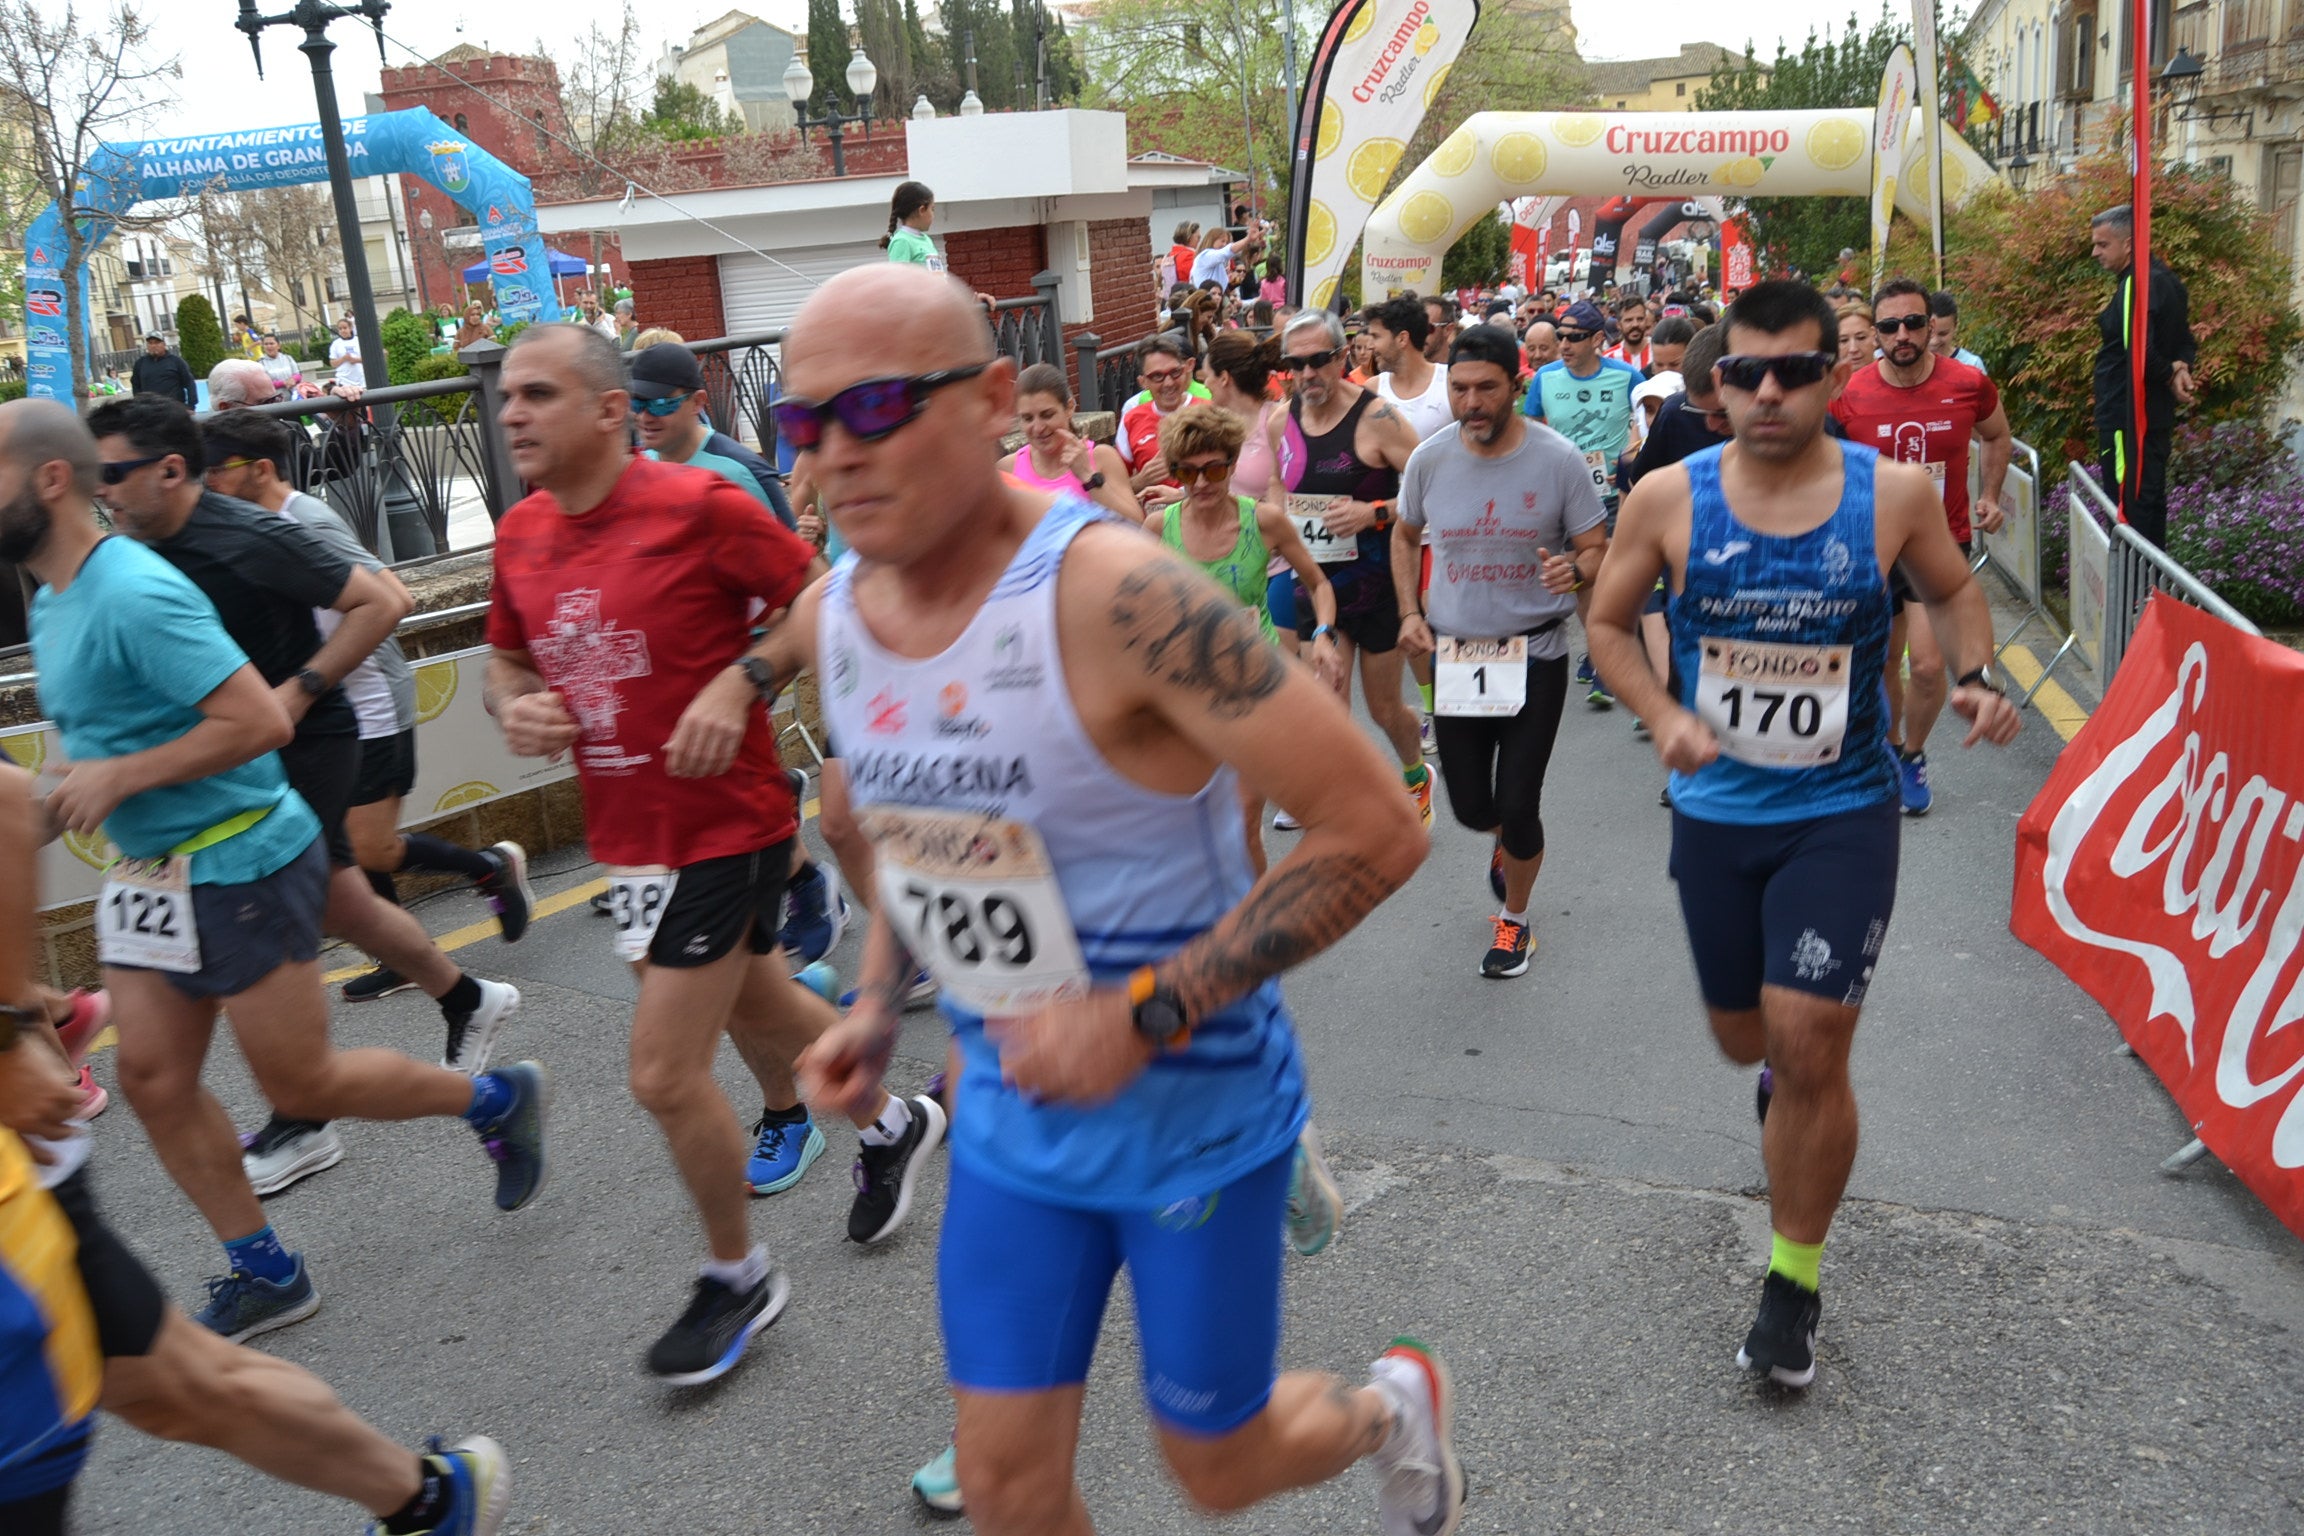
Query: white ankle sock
pixel 889 1128
pixel 741 1274
pixel 1520 917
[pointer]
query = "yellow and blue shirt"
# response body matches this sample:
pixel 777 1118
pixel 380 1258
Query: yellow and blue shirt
pixel 51 1370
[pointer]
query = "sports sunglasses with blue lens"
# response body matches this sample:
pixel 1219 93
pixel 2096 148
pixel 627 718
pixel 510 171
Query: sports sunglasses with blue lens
pixel 869 410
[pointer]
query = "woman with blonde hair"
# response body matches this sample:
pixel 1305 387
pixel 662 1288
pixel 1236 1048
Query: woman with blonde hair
pixel 1233 538
pixel 1859 341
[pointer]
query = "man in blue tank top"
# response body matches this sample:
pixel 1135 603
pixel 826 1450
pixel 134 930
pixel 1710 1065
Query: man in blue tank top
pixel 1046 716
pixel 1784 792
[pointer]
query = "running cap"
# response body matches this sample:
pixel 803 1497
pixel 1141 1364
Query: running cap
pixel 1583 315
pixel 665 370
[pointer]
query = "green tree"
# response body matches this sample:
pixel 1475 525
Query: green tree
pixel 2030 293
pixel 827 53
pixel 408 341
pixel 199 338
pixel 1479 256
pixel 1811 232
pixel 981 29
pixel 681 112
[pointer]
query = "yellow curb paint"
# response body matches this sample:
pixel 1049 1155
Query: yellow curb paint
pixel 2062 712
pixel 473 933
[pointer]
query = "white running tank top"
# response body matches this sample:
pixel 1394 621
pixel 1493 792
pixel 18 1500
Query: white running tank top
pixel 987 727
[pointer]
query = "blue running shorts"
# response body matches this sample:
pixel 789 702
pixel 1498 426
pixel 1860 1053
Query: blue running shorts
pixel 1281 594
pixel 1798 904
pixel 1021 1286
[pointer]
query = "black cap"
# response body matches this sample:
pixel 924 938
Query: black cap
pixel 664 370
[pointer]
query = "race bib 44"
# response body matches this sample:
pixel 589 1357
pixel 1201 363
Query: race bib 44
pixel 1310 515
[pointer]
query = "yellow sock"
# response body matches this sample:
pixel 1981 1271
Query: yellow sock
pixel 1796 1262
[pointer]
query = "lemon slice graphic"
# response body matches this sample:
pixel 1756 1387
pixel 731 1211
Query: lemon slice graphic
pixel 1577 129
pixel 1518 158
pixel 1835 143
pixel 1427 217
pixel 1371 166
pixel 435 689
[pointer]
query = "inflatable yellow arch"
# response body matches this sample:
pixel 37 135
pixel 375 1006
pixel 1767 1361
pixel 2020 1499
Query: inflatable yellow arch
pixel 1497 156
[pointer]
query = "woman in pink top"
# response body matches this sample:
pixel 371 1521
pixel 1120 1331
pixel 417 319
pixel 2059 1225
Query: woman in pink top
pixel 1274 289
pixel 1237 373
pixel 1054 457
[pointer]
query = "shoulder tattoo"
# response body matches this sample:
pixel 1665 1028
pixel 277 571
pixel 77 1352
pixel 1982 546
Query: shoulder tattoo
pixel 1186 633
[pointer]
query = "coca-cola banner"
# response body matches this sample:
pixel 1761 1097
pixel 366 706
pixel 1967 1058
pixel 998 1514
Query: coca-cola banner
pixel 2162 868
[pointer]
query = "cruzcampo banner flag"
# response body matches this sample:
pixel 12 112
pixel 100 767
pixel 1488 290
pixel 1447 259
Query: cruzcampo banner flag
pixel 1898 82
pixel 1376 71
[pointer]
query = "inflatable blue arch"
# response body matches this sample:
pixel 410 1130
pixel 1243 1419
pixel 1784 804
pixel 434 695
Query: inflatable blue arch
pixel 414 143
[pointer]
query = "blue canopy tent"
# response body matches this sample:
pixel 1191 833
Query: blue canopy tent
pixel 563 265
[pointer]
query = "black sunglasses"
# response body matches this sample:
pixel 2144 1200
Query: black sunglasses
pixel 870 410
pixel 1577 335
pixel 1793 370
pixel 1908 323
pixel 113 471
pixel 1308 361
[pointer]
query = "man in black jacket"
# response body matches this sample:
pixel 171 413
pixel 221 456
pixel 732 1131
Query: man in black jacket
pixel 161 372
pixel 2139 471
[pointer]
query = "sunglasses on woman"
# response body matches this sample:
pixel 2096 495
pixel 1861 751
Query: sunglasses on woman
pixel 1793 370
pixel 1189 475
pixel 1308 361
pixel 870 410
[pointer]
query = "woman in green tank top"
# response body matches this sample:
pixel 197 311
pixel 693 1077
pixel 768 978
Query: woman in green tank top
pixel 1234 538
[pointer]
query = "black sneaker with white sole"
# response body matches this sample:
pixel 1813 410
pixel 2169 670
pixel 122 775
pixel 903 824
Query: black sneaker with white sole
pixel 885 1175
pixel 712 1334
pixel 1783 1337
pixel 368 986
pixel 507 889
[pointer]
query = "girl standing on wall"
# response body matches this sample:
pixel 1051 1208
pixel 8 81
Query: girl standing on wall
pixel 910 212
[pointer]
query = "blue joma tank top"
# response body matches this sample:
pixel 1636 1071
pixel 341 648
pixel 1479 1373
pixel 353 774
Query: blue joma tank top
pixel 1781 644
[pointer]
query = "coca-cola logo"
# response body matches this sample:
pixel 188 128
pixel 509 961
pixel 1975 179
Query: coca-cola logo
pixel 2205 856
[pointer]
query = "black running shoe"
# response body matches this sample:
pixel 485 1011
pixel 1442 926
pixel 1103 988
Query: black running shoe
pixel 1783 1337
pixel 506 888
pixel 885 1175
pixel 371 985
pixel 712 1334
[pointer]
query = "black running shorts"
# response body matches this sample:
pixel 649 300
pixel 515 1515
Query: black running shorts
pixel 720 903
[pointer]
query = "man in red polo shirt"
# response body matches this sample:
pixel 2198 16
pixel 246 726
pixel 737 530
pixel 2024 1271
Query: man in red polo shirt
pixel 1918 408
pixel 621 609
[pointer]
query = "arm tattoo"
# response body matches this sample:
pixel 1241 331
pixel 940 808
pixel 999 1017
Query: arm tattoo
pixel 1191 636
pixel 1295 912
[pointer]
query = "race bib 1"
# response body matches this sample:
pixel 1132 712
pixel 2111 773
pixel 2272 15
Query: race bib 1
pixel 975 899
pixel 1774 705
pixel 637 897
pixel 1327 548
pixel 144 916
pixel 1479 677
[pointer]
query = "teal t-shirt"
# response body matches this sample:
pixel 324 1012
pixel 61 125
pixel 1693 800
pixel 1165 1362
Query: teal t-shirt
pixel 125 655
pixel 729 470
pixel 1593 412
pixel 909 244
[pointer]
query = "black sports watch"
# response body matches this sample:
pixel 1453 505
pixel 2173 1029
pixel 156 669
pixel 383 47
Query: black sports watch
pixel 760 675
pixel 1094 482
pixel 1158 1011
pixel 1981 677
pixel 312 682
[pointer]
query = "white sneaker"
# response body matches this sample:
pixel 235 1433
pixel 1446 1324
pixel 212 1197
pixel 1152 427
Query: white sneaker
pixel 471 1042
pixel 287 1150
pixel 1283 822
pixel 1423 1489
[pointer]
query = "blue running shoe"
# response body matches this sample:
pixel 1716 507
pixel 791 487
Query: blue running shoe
pixel 920 994
pixel 712 1335
pixel 1315 1205
pixel 516 1140
pixel 478 1479
pixel 937 1484
pixel 815 915
pixel 1584 672
pixel 1912 782
pixel 241 1306
pixel 781 1152
pixel 820 979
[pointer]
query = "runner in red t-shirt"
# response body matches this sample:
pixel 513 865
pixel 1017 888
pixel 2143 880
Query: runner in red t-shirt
pixel 1921 409
pixel 1164 366
pixel 623 599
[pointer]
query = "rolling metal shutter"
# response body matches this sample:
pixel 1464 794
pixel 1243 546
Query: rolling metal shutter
pixel 757 295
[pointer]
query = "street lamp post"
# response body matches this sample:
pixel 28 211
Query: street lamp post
pixel 423 283
pixel 403 519
pixel 862 75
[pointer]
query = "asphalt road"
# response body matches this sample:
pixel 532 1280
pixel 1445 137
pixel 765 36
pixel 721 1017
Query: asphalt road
pixel 1555 1180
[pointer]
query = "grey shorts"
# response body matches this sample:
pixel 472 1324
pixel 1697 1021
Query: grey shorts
pixel 249 931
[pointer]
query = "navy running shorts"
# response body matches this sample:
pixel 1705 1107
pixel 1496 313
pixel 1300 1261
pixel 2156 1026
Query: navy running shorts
pixel 1021 1286
pixel 249 931
pixel 1798 904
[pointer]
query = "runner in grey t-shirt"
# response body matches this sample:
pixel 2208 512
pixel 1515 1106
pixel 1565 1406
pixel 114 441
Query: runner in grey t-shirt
pixel 1516 529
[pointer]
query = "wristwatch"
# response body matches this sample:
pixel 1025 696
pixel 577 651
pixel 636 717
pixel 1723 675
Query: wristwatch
pixel 16 1022
pixel 1159 1012
pixel 1981 677
pixel 759 674
pixel 1094 482
pixel 312 682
